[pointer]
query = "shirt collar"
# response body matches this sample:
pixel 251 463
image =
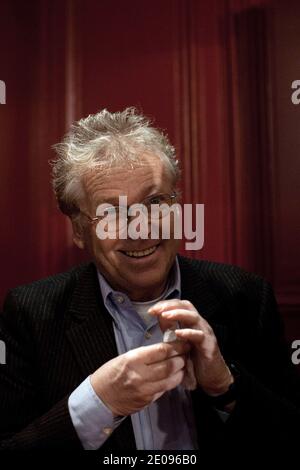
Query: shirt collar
pixel 173 290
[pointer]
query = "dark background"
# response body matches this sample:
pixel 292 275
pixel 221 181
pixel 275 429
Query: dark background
pixel 216 75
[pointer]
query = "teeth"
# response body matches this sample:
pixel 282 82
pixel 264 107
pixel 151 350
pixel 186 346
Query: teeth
pixel 139 254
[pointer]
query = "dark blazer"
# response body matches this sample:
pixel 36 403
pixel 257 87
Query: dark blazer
pixel 57 332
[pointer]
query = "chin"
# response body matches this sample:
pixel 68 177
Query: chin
pixel 149 283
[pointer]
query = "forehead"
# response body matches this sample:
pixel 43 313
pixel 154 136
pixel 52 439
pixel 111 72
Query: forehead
pixel 134 179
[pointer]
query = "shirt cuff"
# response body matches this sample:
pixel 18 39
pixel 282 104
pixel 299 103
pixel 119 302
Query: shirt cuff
pixel 92 419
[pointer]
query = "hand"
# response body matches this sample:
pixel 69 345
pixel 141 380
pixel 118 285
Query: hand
pixel 212 373
pixel 131 381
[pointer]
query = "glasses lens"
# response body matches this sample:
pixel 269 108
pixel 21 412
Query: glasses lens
pixel 160 206
pixel 115 218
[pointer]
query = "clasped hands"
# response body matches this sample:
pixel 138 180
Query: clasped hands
pixel 131 381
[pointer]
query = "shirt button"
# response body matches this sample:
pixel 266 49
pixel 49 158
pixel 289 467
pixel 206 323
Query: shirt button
pixel 120 299
pixel 148 335
pixel 107 431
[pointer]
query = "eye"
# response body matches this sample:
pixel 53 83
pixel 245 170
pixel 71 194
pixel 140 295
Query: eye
pixel 111 211
pixel 157 199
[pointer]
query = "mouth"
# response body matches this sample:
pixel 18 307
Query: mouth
pixel 141 253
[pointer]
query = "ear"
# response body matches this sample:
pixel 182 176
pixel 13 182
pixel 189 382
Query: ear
pixel 78 234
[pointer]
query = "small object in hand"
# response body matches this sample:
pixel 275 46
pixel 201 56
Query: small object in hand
pixel 189 380
pixel 169 336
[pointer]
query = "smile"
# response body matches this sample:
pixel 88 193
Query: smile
pixel 141 253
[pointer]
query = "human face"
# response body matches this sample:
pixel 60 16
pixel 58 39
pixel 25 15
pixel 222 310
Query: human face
pixel 142 278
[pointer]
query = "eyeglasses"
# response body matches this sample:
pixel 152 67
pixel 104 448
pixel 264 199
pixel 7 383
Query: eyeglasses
pixel 156 206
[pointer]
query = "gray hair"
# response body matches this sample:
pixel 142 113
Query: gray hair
pixel 104 140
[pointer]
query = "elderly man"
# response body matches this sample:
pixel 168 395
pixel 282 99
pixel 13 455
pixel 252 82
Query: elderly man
pixel 89 364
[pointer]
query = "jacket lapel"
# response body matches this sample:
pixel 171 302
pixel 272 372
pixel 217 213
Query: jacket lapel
pixel 196 288
pixel 92 339
pixel 91 333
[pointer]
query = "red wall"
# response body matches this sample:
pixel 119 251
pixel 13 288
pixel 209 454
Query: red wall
pixel 216 75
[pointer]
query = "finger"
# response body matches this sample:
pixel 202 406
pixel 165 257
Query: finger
pixel 161 370
pixel 166 324
pixel 169 383
pixel 165 305
pixel 159 352
pixel 157 396
pixel 187 317
pixel 188 334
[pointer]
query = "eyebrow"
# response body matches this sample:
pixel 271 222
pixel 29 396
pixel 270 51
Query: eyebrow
pixel 149 191
pixel 109 200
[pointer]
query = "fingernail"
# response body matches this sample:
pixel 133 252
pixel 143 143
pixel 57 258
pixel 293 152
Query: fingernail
pixel 154 309
pixel 167 314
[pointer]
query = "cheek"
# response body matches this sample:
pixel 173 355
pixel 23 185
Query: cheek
pixel 172 244
pixel 170 249
pixel 101 249
pixel 171 226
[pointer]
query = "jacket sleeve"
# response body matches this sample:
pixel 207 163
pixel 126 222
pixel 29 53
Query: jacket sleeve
pixel 24 423
pixel 268 404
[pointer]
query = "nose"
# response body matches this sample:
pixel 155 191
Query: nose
pixel 139 225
